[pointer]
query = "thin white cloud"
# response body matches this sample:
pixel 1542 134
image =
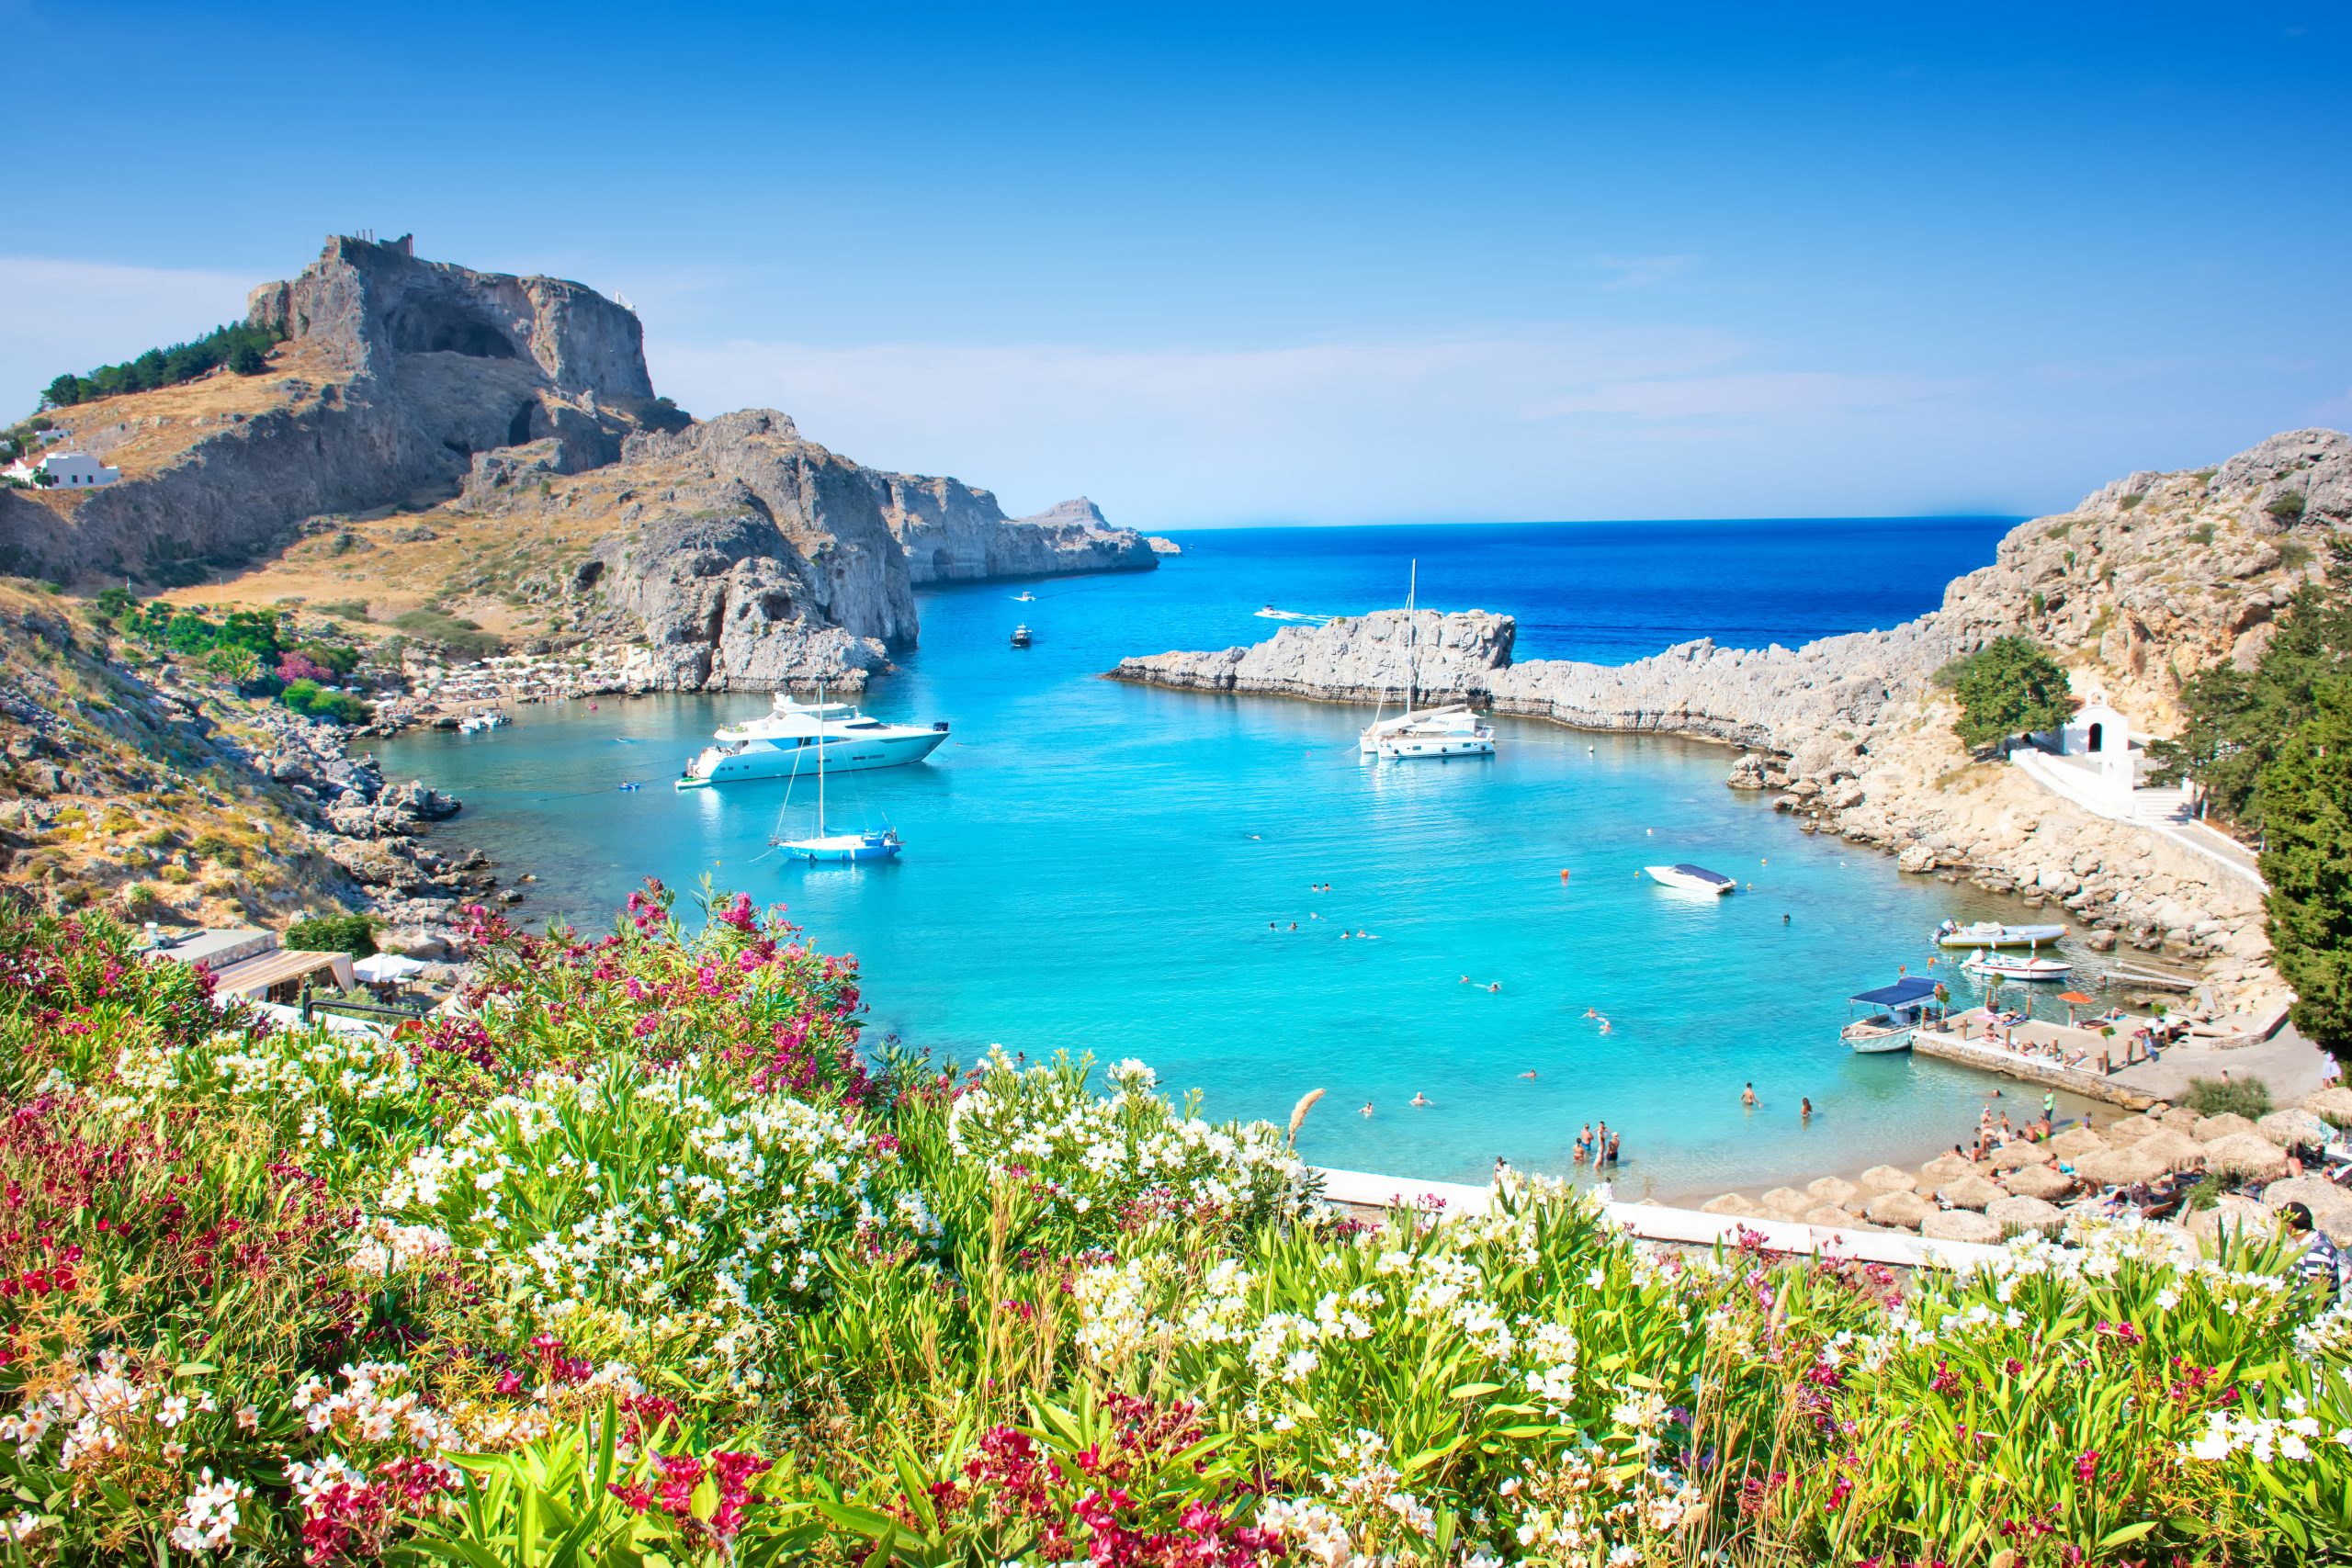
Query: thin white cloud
pixel 1640 272
pixel 1556 421
pixel 71 315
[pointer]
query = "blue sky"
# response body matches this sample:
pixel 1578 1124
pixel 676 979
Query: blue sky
pixel 1216 265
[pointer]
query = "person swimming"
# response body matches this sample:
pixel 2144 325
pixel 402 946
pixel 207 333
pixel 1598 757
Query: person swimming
pixel 1495 986
pixel 1419 1098
pixel 1529 1074
pixel 1367 1108
pixel 1747 1093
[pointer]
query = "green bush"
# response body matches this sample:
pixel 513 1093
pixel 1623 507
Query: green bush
pixel 241 347
pixel 309 698
pixel 454 632
pixel 354 934
pixel 2249 1098
pixel 2009 687
pixel 2288 507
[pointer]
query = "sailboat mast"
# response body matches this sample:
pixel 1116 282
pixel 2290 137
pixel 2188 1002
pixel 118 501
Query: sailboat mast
pixel 1412 631
pixel 820 756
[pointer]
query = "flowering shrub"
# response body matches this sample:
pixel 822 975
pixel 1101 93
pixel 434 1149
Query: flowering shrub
pixel 639 1254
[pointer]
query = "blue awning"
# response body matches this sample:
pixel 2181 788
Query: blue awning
pixel 1903 993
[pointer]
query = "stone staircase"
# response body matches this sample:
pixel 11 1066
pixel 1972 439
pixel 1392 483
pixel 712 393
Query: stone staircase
pixel 2163 805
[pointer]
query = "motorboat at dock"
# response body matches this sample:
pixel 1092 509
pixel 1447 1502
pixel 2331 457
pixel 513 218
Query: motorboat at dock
pixel 792 737
pixel 2010 966
pixel 1896 1012
pixel 1992 933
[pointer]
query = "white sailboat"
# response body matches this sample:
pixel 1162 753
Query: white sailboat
pixel 842 848
pixel 1433 733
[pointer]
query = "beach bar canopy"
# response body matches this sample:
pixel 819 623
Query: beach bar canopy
pixel 1904 992
pixel 386 968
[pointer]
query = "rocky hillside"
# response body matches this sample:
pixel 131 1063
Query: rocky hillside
pixel 415 401
pixel 2147 581
pixel 139 785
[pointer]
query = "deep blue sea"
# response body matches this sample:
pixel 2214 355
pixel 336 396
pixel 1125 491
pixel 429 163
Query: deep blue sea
pixel 1093 867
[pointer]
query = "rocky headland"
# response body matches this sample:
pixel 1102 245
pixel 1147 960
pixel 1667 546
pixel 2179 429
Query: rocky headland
pixel 414 405
pixel 2146 581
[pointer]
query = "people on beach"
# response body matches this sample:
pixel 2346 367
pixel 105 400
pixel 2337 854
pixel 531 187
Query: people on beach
pixel 1612 1149
pixel 1604 1191
pixel 1583 1143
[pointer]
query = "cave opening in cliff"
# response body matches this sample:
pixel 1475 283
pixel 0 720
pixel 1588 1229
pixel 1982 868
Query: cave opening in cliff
pixel 435 326
pixel 518 429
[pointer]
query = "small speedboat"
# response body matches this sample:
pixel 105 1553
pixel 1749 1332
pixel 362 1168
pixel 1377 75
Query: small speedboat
pixel 1896 1012
pixel 1690 878
pixel 1021 637
pixel 1992 933
pixel 1024 597
pixel 2008 966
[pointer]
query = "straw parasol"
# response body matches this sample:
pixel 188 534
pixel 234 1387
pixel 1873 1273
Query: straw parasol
pixel 1970 1192
pixel 2227 1124
pixel 2321 1197
pixel 1904 1210
pixel 1943 1168
pixel 1729 1204
pixel 2013 1215
pixel 2178 1150
pixel 1829 1214
pixel 2232 1211
pixel 1959 1225
pixel 2075 1141
pixel 2247 1154
pixel 2294 1129
pixel 1881 1179
pixel 2331 1105
pixel 2043 1181
pixel 2181 1117
pixel 2074 1000
pixel 2126 1130
pixel 2017 1156
pixel 2119 1167
pixel 1832 1190
pixel 1786 1201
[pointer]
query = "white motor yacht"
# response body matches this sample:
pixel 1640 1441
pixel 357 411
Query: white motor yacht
pixel 787 741
pixel 1690 878
pixel 1992 933
pixel 2008 966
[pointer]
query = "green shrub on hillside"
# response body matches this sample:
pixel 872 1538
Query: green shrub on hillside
pixel 456 632
pixel 2249 1098
pixel 354 934
pixel 241 347
pixel 2307 861
pixel 2009 687
pixel 309 698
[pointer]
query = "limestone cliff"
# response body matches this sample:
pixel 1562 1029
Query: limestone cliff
pixel 2148 579
pixel 733 553
pixel 394 374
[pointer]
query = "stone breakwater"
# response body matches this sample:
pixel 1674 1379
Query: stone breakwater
pixel 2153 575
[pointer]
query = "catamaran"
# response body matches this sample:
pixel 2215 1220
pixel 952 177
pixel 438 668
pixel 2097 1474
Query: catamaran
pixel 1442 732
pixel 1896 1012
pixel 1992 933
pixel 794 736
pixel 836 847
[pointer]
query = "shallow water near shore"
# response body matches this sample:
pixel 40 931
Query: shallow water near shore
pixel 1093 867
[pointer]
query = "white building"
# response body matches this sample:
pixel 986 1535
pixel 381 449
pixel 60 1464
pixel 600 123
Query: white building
pixel 65 471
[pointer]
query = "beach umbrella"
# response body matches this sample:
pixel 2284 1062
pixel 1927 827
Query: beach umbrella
pixel 2014 1214
pixel 1970 1192
pixel 2294 1129
pixel 2017 1156
pixel 2178 1150
pixel 1729 1204
pixel 2232 1211
pixel 2334 1105
pixel 2331 1206
pixel 1786 1201
pixel 1943 1168
pixel 1832 1190
pixel 386 968
pixel 1960 1224
pixel 1881 1179
pixel 2227 1124
pixel 1829 1214
pixel 2125 1131
pixel 1902 1209
pixel 2075 1141
pixel 2043 1181
pixel 2074 1000
pixel 2119 1167
pixel 2247 1154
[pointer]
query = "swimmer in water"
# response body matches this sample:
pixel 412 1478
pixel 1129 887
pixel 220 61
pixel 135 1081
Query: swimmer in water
pixel 1804 1111
pixel 1593 1013
pixel 1747 1093
pixel 1343 936
pixel 1465 980
pixel 1367 1108
pixel 1529 1074
pixel 1495 986
pixel 1421 1099
pixel 1604 1026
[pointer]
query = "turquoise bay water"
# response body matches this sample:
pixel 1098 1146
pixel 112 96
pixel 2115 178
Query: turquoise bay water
pixel 1092 866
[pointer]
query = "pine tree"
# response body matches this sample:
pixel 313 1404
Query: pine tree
pixel 2307 798
pixel 2008 687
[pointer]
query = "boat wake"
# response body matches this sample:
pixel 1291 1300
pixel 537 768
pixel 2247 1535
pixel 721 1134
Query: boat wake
pixel 1299 617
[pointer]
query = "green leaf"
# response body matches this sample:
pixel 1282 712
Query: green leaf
pixel 2128 1532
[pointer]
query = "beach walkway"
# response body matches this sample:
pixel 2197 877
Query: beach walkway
pixel 1681 1227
